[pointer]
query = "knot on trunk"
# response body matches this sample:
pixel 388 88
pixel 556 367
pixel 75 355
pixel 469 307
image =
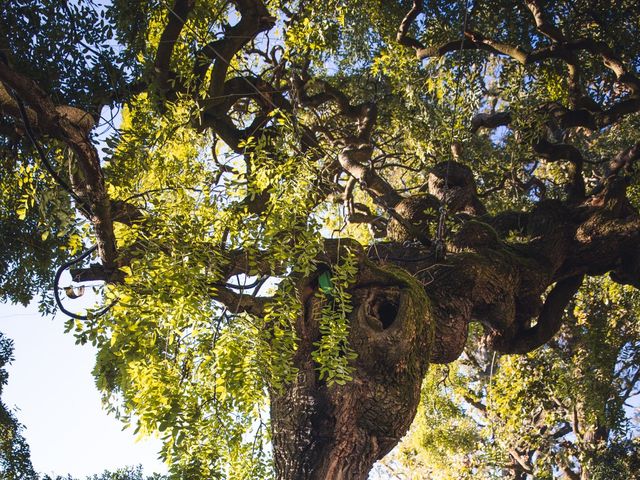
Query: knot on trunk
pixel 474 235
pixel 453 183
pixel 382 307
pixel 415 214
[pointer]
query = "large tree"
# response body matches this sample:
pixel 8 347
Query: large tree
pixel 300 205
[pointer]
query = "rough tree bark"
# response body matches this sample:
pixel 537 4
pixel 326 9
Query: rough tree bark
pixel 340 431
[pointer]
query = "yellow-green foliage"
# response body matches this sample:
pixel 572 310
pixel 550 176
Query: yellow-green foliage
pixel 333 352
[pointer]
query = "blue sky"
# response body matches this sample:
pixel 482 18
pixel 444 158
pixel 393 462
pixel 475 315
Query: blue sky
pixel 50 383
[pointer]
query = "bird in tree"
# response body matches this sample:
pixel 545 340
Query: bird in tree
pixel 296 207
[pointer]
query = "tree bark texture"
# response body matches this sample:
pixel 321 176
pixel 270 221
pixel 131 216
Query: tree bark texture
pixel 339 431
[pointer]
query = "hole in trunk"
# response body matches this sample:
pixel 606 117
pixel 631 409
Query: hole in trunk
pixel 387 311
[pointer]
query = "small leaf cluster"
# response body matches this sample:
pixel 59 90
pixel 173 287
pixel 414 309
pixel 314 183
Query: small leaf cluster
pixel 333 352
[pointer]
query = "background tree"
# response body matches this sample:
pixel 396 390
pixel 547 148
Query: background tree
pixel 127 473
pixel 393 201
pixel 15 459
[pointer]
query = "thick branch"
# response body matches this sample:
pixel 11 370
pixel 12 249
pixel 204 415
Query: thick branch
pixel 522 462
pixel 254 19
pixel 552 152
pixel 239 302
pixel 215 111
pixel 364 113
pixel 587 114
pixel 563 151
pixel 563 49
pixel 550 319
pixel 355 156
pixel 493 46
pixel 624 160
pixel 490 120
pixel 70 125
pixel 544 26
pixel 402 36
pixel 353 160
pixel 177 18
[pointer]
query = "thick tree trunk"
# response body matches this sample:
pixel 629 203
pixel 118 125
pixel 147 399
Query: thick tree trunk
pixel 339 431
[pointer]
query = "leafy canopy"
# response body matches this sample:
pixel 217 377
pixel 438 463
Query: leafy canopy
pixel 219 124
